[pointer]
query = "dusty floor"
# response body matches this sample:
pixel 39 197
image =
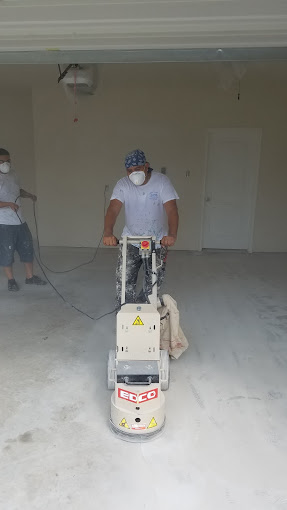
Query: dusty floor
pixel 225 442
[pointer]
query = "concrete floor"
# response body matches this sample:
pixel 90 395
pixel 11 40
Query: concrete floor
pixel 225 442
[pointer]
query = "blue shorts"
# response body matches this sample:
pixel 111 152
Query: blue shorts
pixel 15 238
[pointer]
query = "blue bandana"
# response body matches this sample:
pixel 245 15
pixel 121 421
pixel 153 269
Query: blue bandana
pixel 135 158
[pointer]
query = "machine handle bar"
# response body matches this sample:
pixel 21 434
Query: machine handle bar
pixel 136 239
pixel 139 383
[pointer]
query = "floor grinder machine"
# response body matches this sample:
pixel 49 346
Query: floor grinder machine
pixel 138 371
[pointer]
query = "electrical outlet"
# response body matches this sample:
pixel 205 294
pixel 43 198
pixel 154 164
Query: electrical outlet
pixel 163 170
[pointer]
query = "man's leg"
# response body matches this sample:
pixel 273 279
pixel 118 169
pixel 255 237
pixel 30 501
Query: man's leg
pixel 25 249
pixel 12 284
pixel 9 272
pixel 7 248
pixel 29 269
pixel 134 263
pixel 161 256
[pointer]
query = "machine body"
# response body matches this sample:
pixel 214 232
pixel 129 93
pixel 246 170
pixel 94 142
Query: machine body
pixel 138 370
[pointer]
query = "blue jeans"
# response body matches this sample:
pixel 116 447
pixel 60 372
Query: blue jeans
pixel 15 238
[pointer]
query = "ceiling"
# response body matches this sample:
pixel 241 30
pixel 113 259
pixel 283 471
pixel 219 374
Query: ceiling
pixel 142 30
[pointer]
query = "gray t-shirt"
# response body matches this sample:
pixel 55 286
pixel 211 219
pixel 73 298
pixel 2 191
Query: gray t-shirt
pixel 144 205
pixel 9 191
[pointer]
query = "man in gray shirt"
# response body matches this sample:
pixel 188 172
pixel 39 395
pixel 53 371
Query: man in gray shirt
pixel 14 231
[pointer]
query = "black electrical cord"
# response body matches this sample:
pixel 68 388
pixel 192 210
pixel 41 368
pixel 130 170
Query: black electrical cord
pixel 49 281
pixel 66 70
pixel 72 268
pixel 39 249
pixel 145 278
pixel 148 272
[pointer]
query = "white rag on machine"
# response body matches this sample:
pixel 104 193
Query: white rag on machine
pixel 172 337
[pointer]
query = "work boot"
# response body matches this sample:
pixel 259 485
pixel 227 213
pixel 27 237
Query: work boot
pixel 13 285
pixel 35 280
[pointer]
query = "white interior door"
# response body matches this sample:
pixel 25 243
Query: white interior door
pixel 232 167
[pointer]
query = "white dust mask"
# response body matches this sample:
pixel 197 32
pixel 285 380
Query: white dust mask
pixel 5 167
pixel 137 177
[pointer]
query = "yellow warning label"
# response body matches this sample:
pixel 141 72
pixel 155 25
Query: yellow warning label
pixel 152 424
pixel 138 322
pixel 124 423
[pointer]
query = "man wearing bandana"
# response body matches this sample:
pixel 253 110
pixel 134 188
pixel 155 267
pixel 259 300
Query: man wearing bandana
pixel 150 210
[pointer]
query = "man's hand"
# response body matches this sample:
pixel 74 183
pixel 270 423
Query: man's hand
pixel 26 194
pixel 13 206
pixel 110 240
pixel 168 240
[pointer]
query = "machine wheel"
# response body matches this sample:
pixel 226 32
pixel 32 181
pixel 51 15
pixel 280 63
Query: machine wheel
pixel 111 370
pixel 164 370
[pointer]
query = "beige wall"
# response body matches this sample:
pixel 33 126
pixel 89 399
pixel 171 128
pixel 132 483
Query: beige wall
pixel 166 110
pixel 16 135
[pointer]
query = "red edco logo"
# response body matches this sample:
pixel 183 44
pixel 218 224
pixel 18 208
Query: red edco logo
pixel 138 399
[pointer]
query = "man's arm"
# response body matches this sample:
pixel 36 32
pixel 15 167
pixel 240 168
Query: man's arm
pixel 12 205
pixel 172 218
pixel 25 194
pixel 110 220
